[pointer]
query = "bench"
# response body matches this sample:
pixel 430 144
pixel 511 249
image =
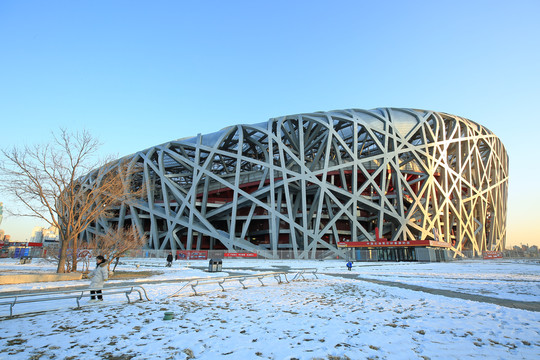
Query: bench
pixel 30 297
pixel 241 279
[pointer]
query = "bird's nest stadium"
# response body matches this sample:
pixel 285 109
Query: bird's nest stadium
pixel 363 184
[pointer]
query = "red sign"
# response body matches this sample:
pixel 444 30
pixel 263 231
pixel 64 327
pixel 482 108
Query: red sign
pixel 492 255
pixel 240 255
pixel 20 244
pixel 381 243
pixel 192 254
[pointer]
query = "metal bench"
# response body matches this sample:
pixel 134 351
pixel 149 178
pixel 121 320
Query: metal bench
pixel 300 273
pixel 29 297
pixel 241 279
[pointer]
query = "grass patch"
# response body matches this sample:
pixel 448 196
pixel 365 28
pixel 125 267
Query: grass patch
pixel 16 342
pixel 119 275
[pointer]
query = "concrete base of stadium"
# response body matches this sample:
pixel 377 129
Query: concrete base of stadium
pixel 31 278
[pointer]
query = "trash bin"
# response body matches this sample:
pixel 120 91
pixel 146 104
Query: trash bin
pixel 214 265
pixel 25 260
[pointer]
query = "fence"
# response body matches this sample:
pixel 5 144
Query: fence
pixel 260 254
pixel 220 254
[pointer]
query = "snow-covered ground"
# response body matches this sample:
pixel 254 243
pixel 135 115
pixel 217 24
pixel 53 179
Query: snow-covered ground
pixel 332 317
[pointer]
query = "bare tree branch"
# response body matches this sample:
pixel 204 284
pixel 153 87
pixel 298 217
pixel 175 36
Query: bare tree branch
pixel 55 182
pixel 117 241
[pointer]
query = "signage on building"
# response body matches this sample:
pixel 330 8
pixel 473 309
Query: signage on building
pixel 488 255
pixel 20 244
pixel 245 255
pixel 381 243
pixel 192 254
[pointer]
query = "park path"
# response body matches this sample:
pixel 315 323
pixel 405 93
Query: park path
pixel 125 283
pixel 516 304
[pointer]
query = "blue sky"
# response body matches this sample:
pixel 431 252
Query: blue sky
pixel 141 73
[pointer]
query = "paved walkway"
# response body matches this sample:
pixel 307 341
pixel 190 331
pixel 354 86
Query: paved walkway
pixel 126 283
pixel 523 305
pixel 516 304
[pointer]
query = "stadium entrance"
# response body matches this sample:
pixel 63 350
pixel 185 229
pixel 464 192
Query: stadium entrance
pixel 396 254
pixel 414 250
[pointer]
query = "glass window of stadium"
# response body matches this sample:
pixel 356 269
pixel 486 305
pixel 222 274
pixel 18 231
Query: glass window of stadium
pixel 397 254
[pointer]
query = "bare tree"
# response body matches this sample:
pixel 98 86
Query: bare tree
pixel 84 255
pixel 117 241
pixel 55 183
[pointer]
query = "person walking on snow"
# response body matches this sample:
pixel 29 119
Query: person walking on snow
pixel 97 277
pixel 349 265
pixel 169 259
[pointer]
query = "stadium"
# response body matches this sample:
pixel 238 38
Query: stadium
pixel 381 184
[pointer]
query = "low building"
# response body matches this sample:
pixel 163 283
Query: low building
pixel 46 236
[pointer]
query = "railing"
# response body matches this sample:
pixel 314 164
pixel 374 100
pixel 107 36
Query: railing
pixel 193 283
pixel 138 264
pixel 127 290
pixel 220 254
pixel 303 271
pixel 12 300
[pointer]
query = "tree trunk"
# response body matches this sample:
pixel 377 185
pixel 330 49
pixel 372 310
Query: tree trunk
pixel 116 263
pixel 75 254
pixel 63 254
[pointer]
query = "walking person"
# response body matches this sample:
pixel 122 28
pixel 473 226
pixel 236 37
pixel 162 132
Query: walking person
pixel 349 265
pixel 169 259
pixel 97 277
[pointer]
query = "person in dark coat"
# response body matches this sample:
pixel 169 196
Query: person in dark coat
pixel 169 259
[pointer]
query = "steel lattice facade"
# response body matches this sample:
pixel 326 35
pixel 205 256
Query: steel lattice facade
pixel 305 182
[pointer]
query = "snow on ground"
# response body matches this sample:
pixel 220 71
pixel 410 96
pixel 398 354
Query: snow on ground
pixel 505 279
pixel 332 317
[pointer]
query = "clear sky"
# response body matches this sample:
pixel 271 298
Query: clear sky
pixel 140 73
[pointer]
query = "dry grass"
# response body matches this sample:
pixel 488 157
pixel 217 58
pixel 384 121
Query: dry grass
pixel 119 275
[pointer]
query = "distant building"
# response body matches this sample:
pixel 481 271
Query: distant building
pixel 44 235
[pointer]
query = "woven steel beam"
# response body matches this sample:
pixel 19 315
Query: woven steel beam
pixel 304 182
